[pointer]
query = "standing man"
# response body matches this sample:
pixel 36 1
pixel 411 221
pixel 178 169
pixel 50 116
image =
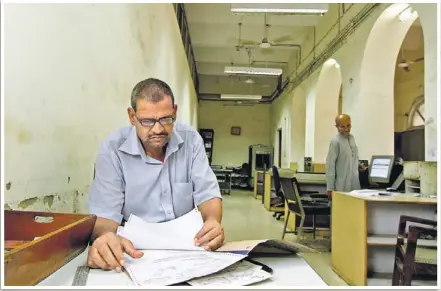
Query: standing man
pixel 342 163
pixel 156 169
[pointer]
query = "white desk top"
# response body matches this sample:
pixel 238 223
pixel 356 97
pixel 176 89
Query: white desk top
pixel 287 271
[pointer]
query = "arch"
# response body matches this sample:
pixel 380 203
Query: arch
pixel 416 113
pixel 321 110
pixel 373 118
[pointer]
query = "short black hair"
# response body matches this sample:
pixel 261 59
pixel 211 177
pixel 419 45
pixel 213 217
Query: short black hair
pixel 151 89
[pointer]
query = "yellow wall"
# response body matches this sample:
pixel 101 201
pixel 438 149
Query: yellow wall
pixel 69 72
pixel 231 150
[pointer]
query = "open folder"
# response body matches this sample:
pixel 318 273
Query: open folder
pixel 171 257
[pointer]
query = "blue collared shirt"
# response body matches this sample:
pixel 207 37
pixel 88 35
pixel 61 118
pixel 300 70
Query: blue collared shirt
pixel 127 181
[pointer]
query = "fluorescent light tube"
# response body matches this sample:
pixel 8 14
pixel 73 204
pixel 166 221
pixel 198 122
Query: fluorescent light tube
pixel 278 10
pixel 242 97
pixel 253 71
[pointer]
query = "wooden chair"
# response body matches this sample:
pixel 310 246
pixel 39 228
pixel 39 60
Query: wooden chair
pixel 416 251
pixel 302 207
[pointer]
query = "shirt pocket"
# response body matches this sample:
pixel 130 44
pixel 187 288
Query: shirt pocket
pixel 182 198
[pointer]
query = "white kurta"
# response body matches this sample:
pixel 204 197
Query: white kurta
pixel 342 164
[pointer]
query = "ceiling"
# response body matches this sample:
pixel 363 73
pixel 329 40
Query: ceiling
pixel 214 32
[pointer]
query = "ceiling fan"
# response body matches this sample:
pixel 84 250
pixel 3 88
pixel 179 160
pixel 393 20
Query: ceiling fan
pixel 406 64
pixel 264 43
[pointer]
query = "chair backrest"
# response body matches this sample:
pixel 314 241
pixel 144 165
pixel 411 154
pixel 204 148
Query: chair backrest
pixel 245 169
pixel 292 195
pixel 277 186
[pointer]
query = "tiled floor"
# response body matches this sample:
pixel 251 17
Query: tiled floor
pixel 245 218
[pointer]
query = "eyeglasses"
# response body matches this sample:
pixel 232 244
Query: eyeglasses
pixel 150 122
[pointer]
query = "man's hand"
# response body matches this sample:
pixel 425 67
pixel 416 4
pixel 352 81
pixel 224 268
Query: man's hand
pixel 211 236
pixel 329 194
pixel 107 252
pixel 363 167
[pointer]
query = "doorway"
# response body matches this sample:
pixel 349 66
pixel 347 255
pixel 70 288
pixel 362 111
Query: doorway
pixel 280 147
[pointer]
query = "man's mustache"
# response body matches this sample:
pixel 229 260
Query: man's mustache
pixel 158 135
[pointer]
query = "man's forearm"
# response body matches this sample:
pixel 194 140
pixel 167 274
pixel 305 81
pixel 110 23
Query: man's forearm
pixel 102 226
pixel 211 209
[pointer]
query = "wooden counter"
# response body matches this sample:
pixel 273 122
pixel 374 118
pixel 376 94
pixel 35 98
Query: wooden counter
pixel 364 231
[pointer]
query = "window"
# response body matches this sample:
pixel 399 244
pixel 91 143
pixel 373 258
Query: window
pixel 416 113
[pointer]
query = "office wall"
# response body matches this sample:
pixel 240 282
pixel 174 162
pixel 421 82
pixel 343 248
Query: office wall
pixel 232 150
pixel 69 71
pixel 355 92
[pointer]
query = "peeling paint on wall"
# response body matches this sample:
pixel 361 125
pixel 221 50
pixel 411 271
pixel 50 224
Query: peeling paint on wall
pixel 68 202
pixel 27 202
pixel 48 200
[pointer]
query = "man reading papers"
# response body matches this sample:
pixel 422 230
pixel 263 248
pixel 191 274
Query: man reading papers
pixel 156 169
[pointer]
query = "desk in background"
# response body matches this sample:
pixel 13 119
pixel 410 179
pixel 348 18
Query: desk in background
pixel 364 232
pixel 291 270
pixel 224 179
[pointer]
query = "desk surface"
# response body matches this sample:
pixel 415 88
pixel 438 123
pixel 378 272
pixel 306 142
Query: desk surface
pixel 398 198
pixel 287 271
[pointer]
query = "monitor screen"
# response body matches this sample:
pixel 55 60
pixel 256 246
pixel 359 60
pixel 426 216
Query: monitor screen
pixel 380 168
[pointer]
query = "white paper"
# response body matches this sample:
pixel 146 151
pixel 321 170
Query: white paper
pixel 240 274
pixel 177 234
pixel 364 192
pixel 162 268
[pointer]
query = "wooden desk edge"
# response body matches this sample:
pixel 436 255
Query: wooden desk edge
pixel 397 199
pixel 335 269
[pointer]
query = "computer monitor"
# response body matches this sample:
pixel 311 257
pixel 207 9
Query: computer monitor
pixel 380 169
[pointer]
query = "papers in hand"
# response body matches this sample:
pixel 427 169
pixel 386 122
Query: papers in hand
pixel 170 255
pixel 161 268
pixel 177 234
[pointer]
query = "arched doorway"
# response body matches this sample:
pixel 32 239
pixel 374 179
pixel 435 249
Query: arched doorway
pixel 321 109
pixel 373 119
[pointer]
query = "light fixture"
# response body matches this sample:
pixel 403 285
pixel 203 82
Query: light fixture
pixel 403 64
pixel 240 97
pixel 337 65
pixel 407 14
pixel 279 8
pixel 253 71
pixel 249 81
pixel 264 45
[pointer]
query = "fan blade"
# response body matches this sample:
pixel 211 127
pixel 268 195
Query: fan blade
pixel 418 60
pixel 249 42
pixel 232 40
pixel 283 38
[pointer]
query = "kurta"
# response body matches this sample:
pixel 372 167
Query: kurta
pixel 342 164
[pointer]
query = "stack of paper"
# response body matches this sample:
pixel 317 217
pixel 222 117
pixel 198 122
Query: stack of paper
pixel 161 268
pixel 171 257
pixel 177 234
